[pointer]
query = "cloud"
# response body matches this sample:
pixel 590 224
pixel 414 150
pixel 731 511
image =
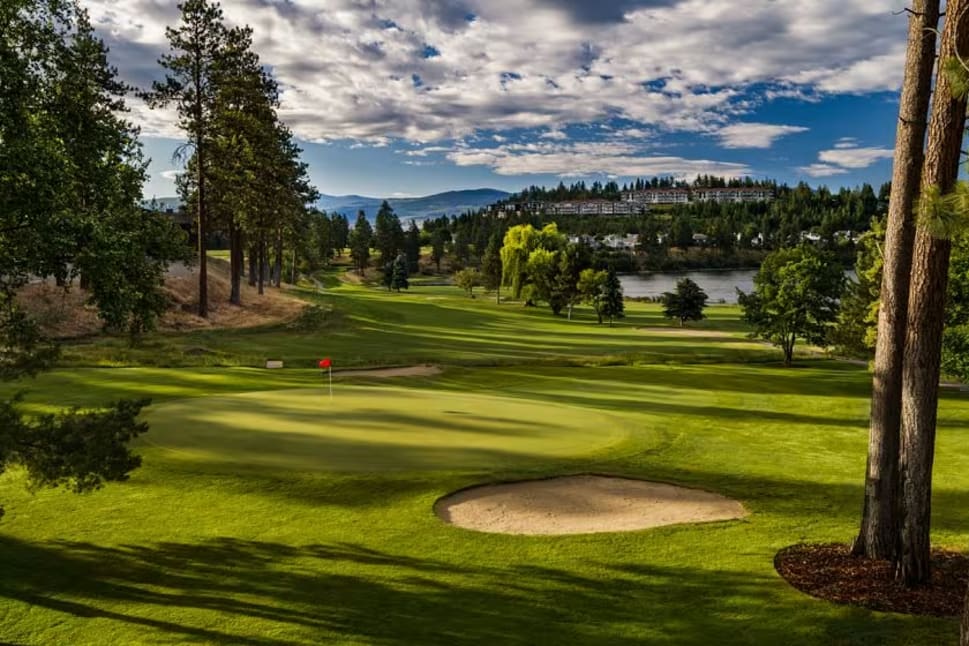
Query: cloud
pixel 172 174
pixel 754 135
pixel 346 67
pixel 847 157
pixel 822 170
pixel 588 158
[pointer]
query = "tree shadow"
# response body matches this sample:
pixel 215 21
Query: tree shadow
pixel 227 590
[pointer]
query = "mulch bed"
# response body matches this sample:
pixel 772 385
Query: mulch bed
pixel 830 572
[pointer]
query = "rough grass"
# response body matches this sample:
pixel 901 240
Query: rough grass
pixel 225 547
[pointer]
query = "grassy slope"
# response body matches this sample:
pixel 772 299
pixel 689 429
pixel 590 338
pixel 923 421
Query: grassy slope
pixel 209 549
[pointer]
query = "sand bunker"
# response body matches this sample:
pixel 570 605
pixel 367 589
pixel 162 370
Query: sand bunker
pixel 406 371
pixel 584 504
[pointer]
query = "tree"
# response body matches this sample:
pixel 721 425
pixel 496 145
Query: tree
pixel 926 307
pixel 796 294
pixel 341 232
pixel 71 174
pixel 591 289
pixel 612 304
pixel 197 44
pixel 388 236
pixel 412 247
pixel 877 537
pixel 360 241
pixel 572 260
pixel 398 274
pixel 686 303
pixel 468 279
pixel 491 266
pixel 542 270
pixel 437 248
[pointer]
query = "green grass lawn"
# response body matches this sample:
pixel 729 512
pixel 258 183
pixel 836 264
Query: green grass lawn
pixel 266 514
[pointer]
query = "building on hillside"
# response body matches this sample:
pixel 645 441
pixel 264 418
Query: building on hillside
pixel 701 239
pixel 658 196
pixel 733 195
pixel 592 207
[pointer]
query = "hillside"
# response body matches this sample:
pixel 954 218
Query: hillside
pixel 448 203
pixel 67 315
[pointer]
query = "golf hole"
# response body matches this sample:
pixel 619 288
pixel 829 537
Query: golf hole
pixel 581 504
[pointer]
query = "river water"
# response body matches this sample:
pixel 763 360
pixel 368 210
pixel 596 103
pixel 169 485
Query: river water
pixel 720 286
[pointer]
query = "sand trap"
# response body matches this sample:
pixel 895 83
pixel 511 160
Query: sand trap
pixel 406 371
pixel 584 504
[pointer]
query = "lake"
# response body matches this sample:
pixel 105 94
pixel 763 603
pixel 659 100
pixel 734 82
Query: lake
pixel 717 284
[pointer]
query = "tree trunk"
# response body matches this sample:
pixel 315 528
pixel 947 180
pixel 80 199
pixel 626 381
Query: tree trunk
pixel 253 265
pixel 877 537
pixel 235 263
pixel 277 280
pixel 926 315
pixel 203 232
pixel 262 267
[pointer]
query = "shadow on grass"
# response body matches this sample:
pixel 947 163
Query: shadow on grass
pixel 238 591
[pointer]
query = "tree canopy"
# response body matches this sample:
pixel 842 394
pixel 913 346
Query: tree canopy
pixel 796 293
pixel 686 303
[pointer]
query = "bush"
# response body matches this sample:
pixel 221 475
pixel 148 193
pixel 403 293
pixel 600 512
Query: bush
pixel 312 317
pixel 955 352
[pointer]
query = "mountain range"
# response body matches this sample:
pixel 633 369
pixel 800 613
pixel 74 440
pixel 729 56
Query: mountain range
pixel 413 208
pixel 406 208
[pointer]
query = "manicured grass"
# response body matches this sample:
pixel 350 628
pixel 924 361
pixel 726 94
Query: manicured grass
pixel 271 517
pixel 431 324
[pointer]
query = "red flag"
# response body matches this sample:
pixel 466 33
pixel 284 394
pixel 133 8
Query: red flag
pixel 325 363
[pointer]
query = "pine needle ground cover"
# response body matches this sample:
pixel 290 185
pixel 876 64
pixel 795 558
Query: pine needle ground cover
pixel 263 514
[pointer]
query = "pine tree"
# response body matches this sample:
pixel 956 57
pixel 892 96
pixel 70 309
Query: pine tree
pixel 398 274
pixel 686 303
pixel 197 45
pixel 360 240
pixel 612 301
pixel 412 247
pixel 491 265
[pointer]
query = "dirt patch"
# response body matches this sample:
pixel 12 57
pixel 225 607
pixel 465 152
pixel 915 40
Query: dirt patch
pixel 829 572
pixel 406 371
pixel 585 504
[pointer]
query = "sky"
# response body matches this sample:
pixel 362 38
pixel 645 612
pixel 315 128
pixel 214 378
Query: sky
pixel 397 98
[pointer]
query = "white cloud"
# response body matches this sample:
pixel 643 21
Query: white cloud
pixel 846 156
pixel 822 170
pixel 172 174
pixel 588 158
pixel 346 72
pixel 846 142
pixel 754 135
pixel 855 157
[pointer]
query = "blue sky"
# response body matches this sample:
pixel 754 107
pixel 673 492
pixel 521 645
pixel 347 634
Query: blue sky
pixel 410 97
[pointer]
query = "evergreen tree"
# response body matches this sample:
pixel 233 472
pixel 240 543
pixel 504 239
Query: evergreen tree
pixel 437 248
pixel 197 46
pixel 491 265
pixel 412 247
pixel 612 301
pixel 360 240
pixel 341 232
pixel 686 303
pixel 398 274
pixel 388 236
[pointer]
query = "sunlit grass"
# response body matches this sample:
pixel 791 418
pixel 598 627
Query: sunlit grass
pixel 265 514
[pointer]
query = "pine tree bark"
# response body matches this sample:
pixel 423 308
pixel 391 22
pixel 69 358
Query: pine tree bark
pixel 926 315
pixel 253 264
pixel 203 226
pixel 877 537
pixel 235 263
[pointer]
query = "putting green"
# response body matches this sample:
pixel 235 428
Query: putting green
pixel 375 429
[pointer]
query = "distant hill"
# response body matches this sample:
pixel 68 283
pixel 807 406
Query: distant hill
pixel 407 208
